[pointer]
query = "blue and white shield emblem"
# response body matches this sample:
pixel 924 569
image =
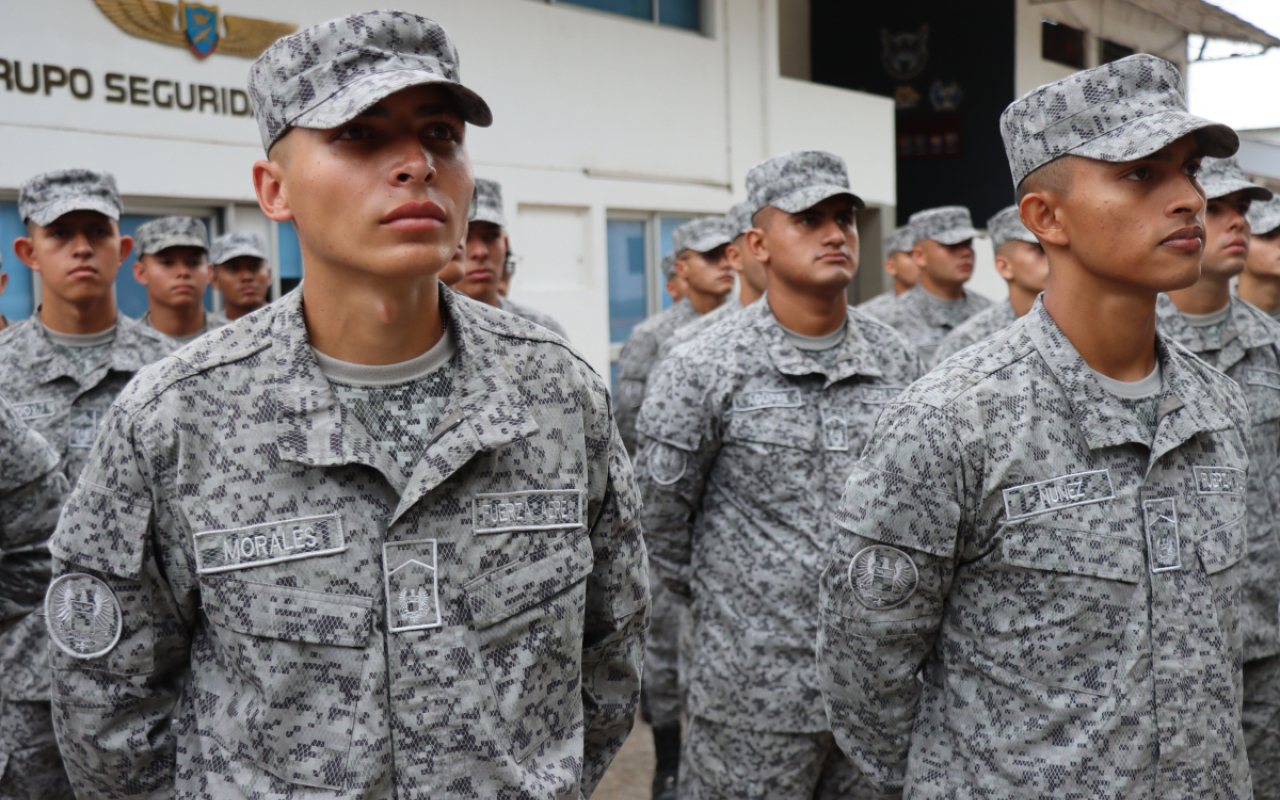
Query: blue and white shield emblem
pixel 200 24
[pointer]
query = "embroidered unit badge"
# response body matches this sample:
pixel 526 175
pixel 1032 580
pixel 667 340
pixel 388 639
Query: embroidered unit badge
pixel 413 592
pixel 82 426
pixel 666 463
pixel 883 577
pixel 1164 548
pixel 82 615
pixel 835 432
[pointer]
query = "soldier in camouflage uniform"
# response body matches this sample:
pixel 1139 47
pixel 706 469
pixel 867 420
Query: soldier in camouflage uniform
pixel 173 265
pixel 4 283
pixel 31 492
pixel 700 259
pixel 943 250
pixel 60 369
pixel 748 435
pixel 240 272
pixel 1021 261
pixel 901 267
pixel 1244 343
pixel 677 286
pixel 1036 586
pixel 1259 284
pixel 488 253
pixel 292 569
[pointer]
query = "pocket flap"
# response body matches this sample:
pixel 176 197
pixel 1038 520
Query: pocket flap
pixel 781 425
pixel 111 529
pixel 1043 547
pixel 1223 546
pixel 284 612
pixel 530 580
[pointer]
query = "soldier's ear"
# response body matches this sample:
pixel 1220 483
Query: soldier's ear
pixel 754 239
pixel 1039 212
pixel 269 183
pixel 25 250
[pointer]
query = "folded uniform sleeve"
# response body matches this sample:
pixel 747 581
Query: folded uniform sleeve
pixel 120 646
pixel 883 590
pixel 680 440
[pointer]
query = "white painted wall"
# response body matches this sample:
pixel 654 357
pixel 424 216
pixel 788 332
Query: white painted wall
pixel 593 112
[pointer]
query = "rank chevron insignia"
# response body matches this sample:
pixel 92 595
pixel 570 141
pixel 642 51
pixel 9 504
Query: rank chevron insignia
pixel 195 26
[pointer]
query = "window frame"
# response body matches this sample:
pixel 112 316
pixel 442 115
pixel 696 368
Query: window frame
pixel 706 9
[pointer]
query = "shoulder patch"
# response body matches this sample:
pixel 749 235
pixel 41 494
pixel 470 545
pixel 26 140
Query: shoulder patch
pixel 666 463
pixel 753 400
pixel 536 510
pixel 83 616
pixel 1077 489
pixel 268 543
pixel 883 577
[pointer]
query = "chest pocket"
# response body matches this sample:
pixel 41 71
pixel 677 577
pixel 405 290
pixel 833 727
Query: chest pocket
pixel 1067 595
pixel 294 660
pixel 528 620
pixel 777 417
pixel 1262 392
pixel 1221 544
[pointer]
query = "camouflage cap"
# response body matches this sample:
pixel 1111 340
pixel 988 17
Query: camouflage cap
pixel 49 195
pixel 739 218
pixel 1264 216
pixel 233 245
pixel 1121 111
pixel 486 203
pixel 1006 226
pixel 796 181
pixel 330 73
pixel 1223 176
pixel 669 266
pixel 701 235
pixel 946 225
pixel 900 241
pixel 158 234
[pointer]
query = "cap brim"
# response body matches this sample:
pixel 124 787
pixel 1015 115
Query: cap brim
pixel 707 243
pixel 1251 190
pixel 1143 136
pixel 492 219
pixel 46 216
pixel 810 196
pixel 359 96
pixel 954 237
pixel 238 253
pixel 173 241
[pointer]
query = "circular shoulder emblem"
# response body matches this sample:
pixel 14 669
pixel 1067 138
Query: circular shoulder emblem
pixel 666 463
pixel 883 577
pixel 83 615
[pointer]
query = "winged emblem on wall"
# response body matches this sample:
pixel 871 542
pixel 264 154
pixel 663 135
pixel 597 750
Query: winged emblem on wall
pixel 202 28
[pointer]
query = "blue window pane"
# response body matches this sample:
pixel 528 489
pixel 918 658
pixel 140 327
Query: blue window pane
pixel 131 296
pixel 685 14
pixel 640 9
pixel 666 226
pixel 18 300
pixel 627 278
pixel 290 251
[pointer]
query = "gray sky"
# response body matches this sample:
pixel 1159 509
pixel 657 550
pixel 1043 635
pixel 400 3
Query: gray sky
pixel 1242 92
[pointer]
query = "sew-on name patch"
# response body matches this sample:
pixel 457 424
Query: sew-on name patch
pixel 927 340
pixel 536 510
pixel 1077 489
pixel 879 395
pixel 35 409
pixel 269 543
pixel 1219 480
pixel 754 400
pixel 1257 376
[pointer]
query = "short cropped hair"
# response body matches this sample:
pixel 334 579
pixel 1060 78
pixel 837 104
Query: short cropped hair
pixel 1054 177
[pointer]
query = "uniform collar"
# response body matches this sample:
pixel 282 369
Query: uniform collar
pixel 484 412
pixel 854 358
pixel 932 310
pixel 134 347
pixel 1186 406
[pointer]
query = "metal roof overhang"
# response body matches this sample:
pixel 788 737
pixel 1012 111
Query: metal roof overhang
pixel 1197 16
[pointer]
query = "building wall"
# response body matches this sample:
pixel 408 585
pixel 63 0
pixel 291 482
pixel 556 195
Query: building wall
pixel 594 114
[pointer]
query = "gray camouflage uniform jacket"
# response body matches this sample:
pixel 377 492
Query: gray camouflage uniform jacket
pixel 31 494
pixel 298 621
pixel 978 328
pixel 1029 596
pixel 879 305
pixel 732 305
pixel 1250 355
pixel 924 320
pixel 533 315
pixel 638 358
pixel 746 445
pixel 49 393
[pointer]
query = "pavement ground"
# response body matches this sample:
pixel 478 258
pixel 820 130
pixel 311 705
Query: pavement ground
pixel 630 776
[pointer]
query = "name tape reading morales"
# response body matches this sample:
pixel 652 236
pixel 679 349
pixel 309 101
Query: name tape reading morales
pixel 1262 377
pixel 1080 488
pixel 1219 480
pixel 752 400
pixel 540 509
pixel 34 409
pixel 269 543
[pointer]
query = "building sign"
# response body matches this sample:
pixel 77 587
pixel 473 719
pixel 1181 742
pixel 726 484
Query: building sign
pixel 203 29
pixel 50 80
